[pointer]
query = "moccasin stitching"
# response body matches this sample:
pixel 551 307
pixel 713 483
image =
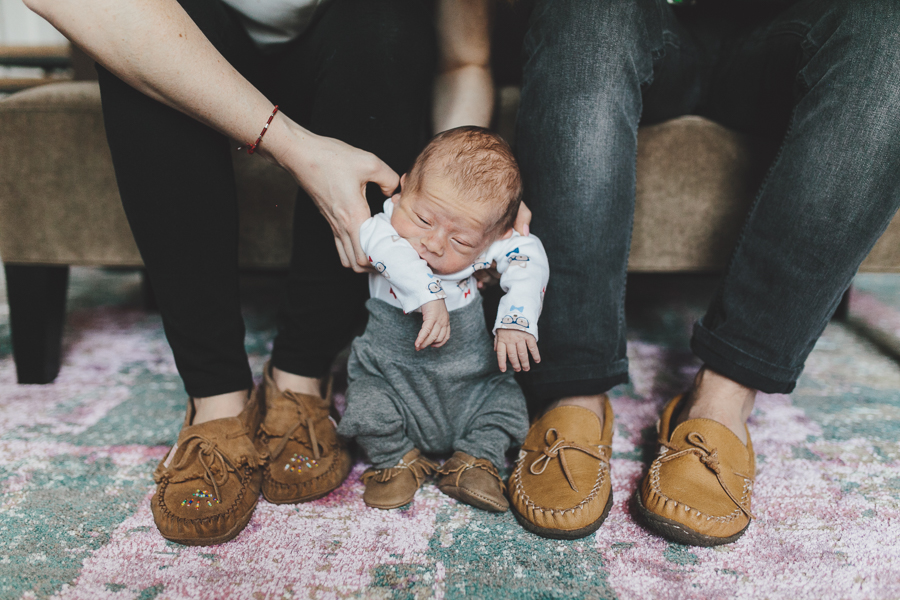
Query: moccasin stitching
pixel 654 485
pixel 601 477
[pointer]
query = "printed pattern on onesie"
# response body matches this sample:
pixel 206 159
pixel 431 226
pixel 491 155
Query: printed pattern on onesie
pixel 406 281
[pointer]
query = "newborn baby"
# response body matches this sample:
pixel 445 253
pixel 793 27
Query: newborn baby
pixel 438 383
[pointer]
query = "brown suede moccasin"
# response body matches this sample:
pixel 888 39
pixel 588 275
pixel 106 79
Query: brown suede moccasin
pixel 395 486
pixel 307 459
pixel 698 489
pixel 560 487
pixel 209 482
pixel 474 481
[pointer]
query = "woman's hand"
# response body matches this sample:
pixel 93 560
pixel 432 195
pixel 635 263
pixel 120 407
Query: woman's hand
pixel 335 174
pixel 490 276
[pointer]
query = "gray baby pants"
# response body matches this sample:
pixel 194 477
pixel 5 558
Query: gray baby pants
pixel 437 399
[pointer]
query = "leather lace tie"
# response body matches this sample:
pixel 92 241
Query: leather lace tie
pixel 420 467
pixel 709 458
pixel 311 431
pixel 209 455
pixel 554 449
pixel 480 463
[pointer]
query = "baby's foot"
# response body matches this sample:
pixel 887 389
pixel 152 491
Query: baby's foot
pixel 395 486
pixel 474 481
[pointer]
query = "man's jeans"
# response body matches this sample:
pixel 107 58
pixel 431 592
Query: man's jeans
pixel 821 76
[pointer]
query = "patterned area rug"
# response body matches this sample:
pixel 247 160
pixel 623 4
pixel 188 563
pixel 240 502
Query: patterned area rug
pixel 76 459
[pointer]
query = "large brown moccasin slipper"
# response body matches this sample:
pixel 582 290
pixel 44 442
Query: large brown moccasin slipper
pixel 209 482
pixel 560 487
pixel 396 486
pixel 307 459
pixel 698 489
pixel 474 481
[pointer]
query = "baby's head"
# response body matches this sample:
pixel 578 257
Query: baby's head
pixel 461 195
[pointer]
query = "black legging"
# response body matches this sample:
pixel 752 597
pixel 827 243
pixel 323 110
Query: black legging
pixel 361 73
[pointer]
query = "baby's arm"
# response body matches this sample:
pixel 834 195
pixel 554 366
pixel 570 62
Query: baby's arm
pixel 411 279
pixel 524 272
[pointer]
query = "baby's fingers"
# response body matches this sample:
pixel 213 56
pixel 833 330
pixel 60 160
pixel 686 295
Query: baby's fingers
pixel 501 356
pixel 522 349
pixel 513 356
pixel 442 336
pixel 422 340
pixel 532 346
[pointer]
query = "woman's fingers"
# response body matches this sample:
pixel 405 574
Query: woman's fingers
pixel 342 254
pixel 384 177
pixel 523 220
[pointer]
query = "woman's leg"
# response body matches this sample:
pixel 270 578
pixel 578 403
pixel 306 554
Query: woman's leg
pixel 177 186
pixel 368 69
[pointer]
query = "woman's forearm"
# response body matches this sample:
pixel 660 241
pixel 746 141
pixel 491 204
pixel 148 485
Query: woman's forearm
pixel 155 47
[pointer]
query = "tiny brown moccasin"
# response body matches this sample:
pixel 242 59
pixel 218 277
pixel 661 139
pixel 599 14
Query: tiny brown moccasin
pixel 307 459
pixel 560 487
pixel 474 481
pixel 209 482
pixel 698 489
pixel 395 486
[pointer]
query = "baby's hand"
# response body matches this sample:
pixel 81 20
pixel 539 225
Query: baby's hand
pixel 515 345
pixel 435 325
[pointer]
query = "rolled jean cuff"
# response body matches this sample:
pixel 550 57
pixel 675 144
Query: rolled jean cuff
pixel 737 365
pixel 552 384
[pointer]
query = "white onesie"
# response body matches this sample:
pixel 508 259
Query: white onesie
pixel 406 281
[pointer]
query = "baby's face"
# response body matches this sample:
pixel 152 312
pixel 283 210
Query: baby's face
pixel 447 231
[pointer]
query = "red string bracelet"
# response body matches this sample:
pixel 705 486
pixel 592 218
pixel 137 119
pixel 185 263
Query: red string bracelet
pixel 251 148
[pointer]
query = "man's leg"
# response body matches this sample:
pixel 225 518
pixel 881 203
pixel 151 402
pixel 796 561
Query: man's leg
pixel 829 195
pixel 589 67
pixel 369 70
pixel 828 73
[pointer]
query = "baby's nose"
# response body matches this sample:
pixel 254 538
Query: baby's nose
pixel 433 244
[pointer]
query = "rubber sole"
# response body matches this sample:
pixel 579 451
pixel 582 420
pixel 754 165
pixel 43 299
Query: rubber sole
pixel 679 533
pixel 468 497
pixel 565 534
pixel 221 539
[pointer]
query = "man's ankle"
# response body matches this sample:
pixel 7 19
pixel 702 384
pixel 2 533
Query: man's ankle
pixel 595 403
pixel 716 397
pixel 220 406
pixel 285 381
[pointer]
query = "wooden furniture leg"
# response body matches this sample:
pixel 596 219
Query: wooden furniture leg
pixel 37 313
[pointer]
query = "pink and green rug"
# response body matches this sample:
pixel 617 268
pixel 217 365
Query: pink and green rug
pixel 76 459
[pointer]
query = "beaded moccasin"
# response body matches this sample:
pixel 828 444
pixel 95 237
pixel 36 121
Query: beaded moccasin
pixel 209 482
pixel 307 459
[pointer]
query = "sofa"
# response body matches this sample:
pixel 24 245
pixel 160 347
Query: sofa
pixel 59 206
